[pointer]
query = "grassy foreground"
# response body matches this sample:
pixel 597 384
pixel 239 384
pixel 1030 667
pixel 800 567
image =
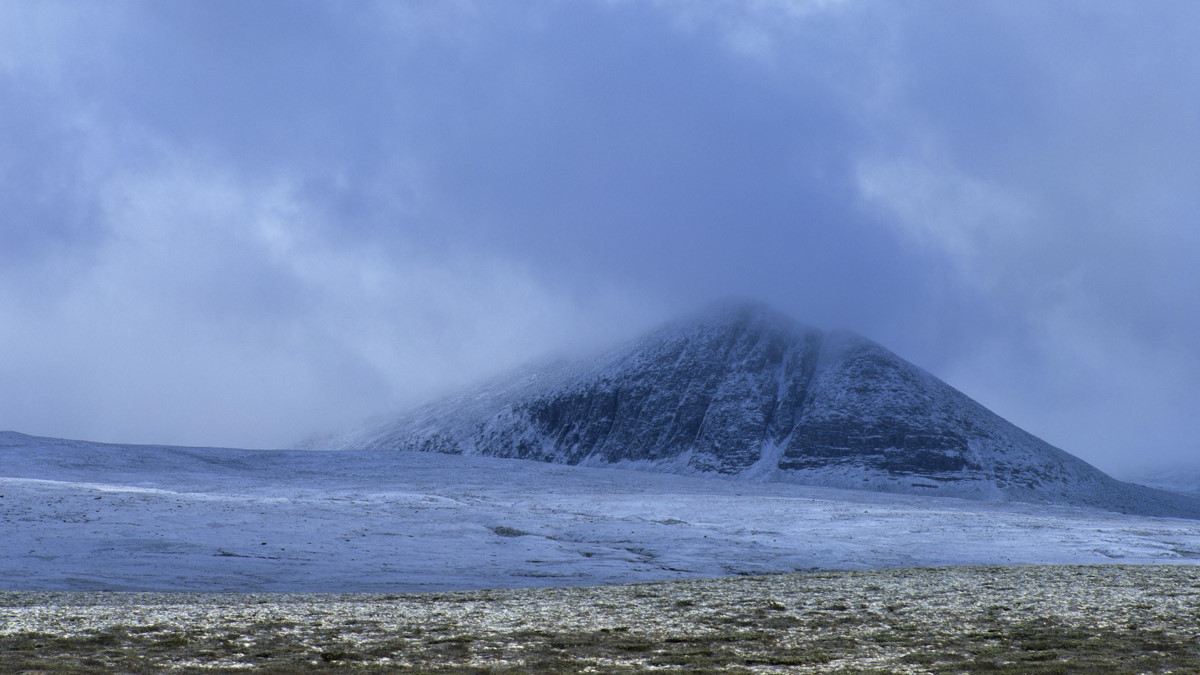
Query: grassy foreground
pixel 1112 619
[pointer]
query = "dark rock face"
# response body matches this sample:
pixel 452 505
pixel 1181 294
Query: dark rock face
pixel 871 408
pixel 719 392
pixel 743 390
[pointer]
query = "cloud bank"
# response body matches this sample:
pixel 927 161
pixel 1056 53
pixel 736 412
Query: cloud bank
pixel 236 224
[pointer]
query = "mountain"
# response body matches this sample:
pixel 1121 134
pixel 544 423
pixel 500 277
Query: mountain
pixel 743 391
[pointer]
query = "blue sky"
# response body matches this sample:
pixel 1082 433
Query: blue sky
pixel 233 223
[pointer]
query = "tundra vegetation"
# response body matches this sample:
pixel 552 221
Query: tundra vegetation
pixel 1027 619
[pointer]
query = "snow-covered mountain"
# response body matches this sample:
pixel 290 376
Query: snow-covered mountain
pixel 743 391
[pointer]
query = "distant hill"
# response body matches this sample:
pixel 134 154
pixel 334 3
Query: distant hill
pixel 743 391
pixel 1183 478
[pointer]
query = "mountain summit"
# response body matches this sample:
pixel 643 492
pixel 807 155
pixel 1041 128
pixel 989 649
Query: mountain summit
pixel 744 391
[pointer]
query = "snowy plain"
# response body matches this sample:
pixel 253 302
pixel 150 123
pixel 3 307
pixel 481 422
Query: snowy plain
pixel 88 516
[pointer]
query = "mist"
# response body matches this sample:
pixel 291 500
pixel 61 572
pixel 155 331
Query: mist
pixel 239 224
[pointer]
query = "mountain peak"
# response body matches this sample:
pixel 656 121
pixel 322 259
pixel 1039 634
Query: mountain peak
pixel 737 314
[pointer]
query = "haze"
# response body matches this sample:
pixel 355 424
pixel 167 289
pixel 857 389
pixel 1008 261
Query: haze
pixel 229 223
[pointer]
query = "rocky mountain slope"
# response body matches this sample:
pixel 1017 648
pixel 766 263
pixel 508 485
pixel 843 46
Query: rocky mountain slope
pixel 743 391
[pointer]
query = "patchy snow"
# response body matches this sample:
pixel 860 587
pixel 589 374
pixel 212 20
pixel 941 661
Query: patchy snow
pixel 77 515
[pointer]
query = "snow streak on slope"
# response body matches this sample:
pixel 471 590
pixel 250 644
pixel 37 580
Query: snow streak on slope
pixel 77 515
pixel 742 390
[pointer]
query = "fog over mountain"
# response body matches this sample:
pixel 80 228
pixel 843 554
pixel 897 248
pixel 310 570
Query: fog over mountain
pixel 230 223
pixel 743 391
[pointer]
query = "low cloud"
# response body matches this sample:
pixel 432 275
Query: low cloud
pixel 234 223
pixel 216 311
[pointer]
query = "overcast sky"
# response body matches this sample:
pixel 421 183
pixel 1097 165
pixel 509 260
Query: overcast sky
pixel 236 223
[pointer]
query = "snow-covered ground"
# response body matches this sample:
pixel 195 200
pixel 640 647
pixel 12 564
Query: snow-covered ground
pixel 77 515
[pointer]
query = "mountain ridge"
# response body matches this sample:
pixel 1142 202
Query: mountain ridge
pixel 744 391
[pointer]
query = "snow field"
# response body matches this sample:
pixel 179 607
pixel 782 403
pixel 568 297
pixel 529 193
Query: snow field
pixel 97 517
